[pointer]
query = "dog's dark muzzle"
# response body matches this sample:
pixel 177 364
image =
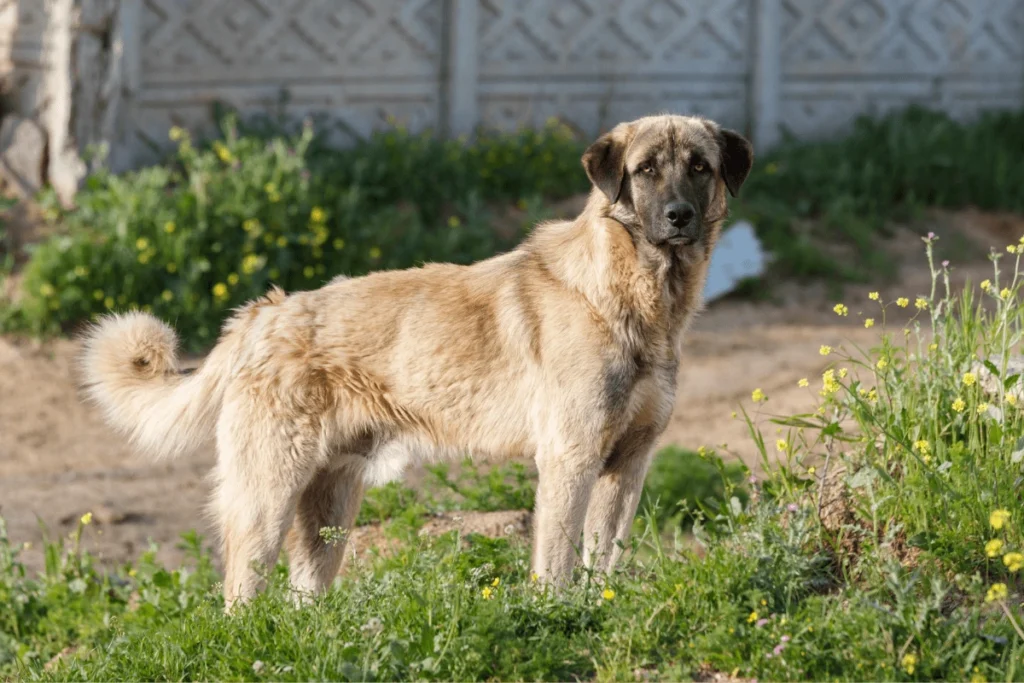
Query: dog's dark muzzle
pixel 684 228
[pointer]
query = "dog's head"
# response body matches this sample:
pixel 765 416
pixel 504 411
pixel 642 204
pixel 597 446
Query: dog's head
pixel 666 176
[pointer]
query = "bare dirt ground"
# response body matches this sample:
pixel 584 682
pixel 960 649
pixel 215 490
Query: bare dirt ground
pixel 58 461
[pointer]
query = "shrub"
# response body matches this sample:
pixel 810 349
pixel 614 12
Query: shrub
pixel 218 224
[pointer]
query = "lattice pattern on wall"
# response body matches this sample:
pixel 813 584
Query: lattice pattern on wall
pixel 809 65
pixel 597 62
pixel 361 61
pixel 845 57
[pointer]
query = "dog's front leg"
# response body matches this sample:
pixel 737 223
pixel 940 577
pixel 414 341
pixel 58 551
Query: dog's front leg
pixel 566 481
pixel 615 497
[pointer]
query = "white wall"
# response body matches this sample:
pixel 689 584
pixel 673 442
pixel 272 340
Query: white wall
pixel 806 66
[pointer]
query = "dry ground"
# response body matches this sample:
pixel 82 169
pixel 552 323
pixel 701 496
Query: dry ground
pixel 57 460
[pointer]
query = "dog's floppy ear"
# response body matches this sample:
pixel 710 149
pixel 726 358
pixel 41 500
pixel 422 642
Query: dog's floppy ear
pixel 605 162
pixel 737 158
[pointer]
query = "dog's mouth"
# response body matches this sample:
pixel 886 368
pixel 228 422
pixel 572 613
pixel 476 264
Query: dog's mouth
pixel 681 241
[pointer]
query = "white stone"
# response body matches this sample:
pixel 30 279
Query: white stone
pixel 737 256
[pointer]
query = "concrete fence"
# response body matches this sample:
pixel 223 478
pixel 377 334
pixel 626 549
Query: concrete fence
pixel 124 71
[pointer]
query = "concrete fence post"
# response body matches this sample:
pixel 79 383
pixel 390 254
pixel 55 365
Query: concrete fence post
pixel 463 71
pixel 766 77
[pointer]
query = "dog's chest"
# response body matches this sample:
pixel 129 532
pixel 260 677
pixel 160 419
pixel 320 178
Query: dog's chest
pixel 633 378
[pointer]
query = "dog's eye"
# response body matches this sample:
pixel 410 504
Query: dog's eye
pixel 699 167
pixel 646 167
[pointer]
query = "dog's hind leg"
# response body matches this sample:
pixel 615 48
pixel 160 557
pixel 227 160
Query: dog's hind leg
pixel 331 500
pixel 263 466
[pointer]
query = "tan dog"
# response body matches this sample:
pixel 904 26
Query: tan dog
pixel 565 350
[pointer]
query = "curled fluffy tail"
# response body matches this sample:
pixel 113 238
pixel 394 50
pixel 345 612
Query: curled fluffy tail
pixel 129 364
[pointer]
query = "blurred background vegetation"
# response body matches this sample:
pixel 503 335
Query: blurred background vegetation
pixel 222 219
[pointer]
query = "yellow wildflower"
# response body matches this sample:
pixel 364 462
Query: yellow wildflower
pixel 829 385
pixel 993 547
pixel 873 296
pixel 144 257
pixel 758 396
pixel 908 662
pixel 233 279
pixel 339 244
pixel 167 295
pixel 108 302
pixel 1011 248
pixel 982 408
pixel 172 267
pixel 922 447
pixel 734 414
pixel 308 271
pixel 374 253
pixel 843 372
pixel 142 244
pixel 803 382
pixel 781 445
pixel 251 263
pixel 98 294
pixel 1013 561
pixel 978 678
pixel 86 519
pixel 870 322
pixel 841 309
pixel 223 153
pixel 220 290
pixel 250 225
pixel 999 518
pixel 496 582
pixel 811 471
pixel 454 222
pixel 933 347
pixel 882 364
pixel 1004 293
pixel 282 241
pixel 921 303
pixel 317 215
pixel 47 290
pixel 986 285
pixel 959 405
pixel 487 593
pixel 608 594
pixel 176 133
pixel 903 302
pixel 1011 398
pixel 169 227
pixel 996 593
pixel 825 349
pixel 970 379
pixel 752 618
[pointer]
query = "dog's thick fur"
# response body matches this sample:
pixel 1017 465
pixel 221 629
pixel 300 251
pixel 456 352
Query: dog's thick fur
pixel 565 350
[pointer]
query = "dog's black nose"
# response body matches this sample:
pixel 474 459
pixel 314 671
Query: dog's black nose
pixel 680 214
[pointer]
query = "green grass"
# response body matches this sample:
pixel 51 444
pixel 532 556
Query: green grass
pixel 907 569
